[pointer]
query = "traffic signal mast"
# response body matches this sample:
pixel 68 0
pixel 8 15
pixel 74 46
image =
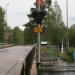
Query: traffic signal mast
pixel 38 15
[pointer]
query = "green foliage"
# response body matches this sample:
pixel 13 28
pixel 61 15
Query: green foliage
pixel 49 51
pixel 72 36
pixel 70 53
pixel 48 3
pixel 55 31
pixel 68 56
pixel 29 36
pixel 18 36
pixel 2 13
pixel 10 36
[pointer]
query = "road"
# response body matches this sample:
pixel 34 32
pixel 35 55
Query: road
pixel 11 59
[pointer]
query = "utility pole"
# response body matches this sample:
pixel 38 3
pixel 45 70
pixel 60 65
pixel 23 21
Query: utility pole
pixel 67 23
pixel 38 35
pixel 5 29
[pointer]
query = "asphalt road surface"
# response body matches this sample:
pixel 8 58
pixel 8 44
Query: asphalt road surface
pixel 11 59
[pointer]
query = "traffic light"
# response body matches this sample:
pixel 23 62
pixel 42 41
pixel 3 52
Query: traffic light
pixel 38 16
pixel 39 2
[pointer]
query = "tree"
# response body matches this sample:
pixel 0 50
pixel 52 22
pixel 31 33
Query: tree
pixel 59 23
pixel 18 36
pixel 72 36
pixel 2 14
pixel 53 27
pixel 56 27
pixel 29 35
pixel 10 35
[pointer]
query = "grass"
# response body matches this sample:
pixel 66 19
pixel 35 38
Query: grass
pixel 49 51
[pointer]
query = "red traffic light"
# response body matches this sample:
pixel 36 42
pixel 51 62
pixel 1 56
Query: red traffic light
pixel 39 2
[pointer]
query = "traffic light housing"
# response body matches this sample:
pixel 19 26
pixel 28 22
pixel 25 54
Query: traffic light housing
pixel 38 16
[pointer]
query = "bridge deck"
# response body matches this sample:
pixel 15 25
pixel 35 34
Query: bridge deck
pixel 11 59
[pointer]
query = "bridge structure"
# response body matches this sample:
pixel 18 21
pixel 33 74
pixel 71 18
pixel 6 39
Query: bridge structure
pixel 16 60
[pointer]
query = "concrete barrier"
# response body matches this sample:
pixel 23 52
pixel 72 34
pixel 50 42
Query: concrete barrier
pixel 28 63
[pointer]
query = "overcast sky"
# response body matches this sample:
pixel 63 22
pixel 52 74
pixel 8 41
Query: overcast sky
pixel 71 11
pixel 18 9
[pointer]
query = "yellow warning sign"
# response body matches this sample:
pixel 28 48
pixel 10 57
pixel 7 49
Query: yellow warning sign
pixel 37 29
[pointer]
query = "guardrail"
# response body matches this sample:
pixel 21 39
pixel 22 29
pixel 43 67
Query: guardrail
pixel 2 45
pixel 28 64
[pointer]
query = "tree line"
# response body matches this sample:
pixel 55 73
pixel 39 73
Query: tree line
pixel 54 29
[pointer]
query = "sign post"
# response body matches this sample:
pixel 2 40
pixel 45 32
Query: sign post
pixel 38 15
pixel 38 34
